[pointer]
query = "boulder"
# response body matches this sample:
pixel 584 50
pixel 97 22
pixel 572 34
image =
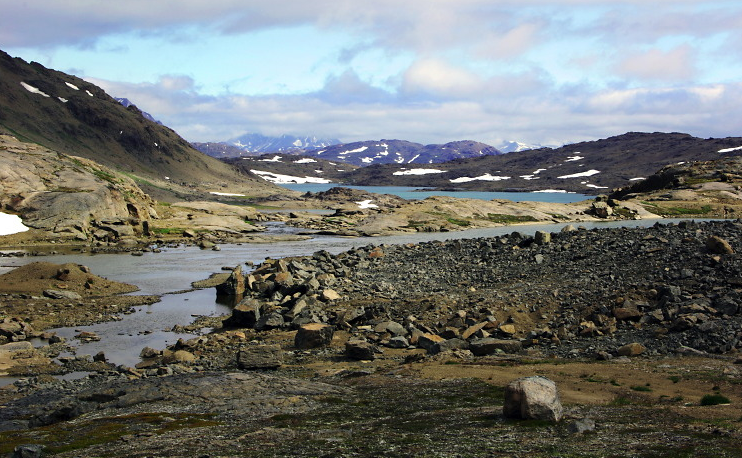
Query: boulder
pixel 489 346
pixel 718 245
pixel 447 345
pixel 427 341
pixel 632 349
pixel 313 335
pixel 260 357
pixel 245 315
pixel 542 237
pixel 392 327
pixel 398 342
pixel 56 294
pixel 532 398
pixel 234 285
pixel 330 295
pixel 360 350
pixel 272 320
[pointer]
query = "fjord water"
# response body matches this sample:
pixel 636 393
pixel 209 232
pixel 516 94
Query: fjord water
pixel 412 193
pixel 174 269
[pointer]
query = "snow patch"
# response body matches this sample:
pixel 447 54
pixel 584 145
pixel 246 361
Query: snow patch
pixel 357 150
pixel 228 194
pixel 33 90
pixel 367 160
pixel 637 179
pixel 89 93
pixel 63 100
pixel 366 204
pixel 561 191
pixel 729 150
pixel 70 85
pixel 576 157
pixel 485 177
pixel 417 172
pixel 305 160
pixel 273 159
pixel 530 177
pixel 412 160
pixel 11 224
pixel 596 186
pixel 589 173
pixel 286 179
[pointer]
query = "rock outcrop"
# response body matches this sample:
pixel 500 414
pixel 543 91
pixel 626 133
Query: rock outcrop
pixel 70 196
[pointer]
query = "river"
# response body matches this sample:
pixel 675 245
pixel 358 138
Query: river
pixel 174 269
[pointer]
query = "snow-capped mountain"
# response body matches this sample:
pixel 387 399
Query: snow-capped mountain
pixel 257 143
pixel 515 146
pixel 252 144
pixel 401 152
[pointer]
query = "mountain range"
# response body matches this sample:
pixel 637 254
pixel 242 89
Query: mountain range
pixel 587 167
pixel 252 144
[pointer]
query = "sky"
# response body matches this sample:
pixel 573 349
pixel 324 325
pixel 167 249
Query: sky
pixel 544 72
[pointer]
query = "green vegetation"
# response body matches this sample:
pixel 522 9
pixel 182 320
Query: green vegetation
pixel 674 378
pixel 643 388
pixel 458 222
pixel 676 211
pixel 514 219
pixel 714 399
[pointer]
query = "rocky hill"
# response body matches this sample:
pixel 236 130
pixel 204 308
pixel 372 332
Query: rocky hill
pixel 69 115
pixel 70 196
pixel 587 167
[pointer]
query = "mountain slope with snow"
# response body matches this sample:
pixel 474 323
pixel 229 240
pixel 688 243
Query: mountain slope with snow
pixel 586 167
pixel 401 152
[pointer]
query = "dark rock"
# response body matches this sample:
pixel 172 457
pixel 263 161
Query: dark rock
pixel 489 346
pixel 718 245
pixel 245 315
pixel 313 335
pixel 360 350
pixel 234 285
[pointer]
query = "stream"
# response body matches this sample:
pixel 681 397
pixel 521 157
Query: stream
pixel 173 270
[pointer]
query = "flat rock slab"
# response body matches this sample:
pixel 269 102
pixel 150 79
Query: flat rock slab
pixel 254 395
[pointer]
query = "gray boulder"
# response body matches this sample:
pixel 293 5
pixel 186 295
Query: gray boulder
pixel 532 398
pixel 360 350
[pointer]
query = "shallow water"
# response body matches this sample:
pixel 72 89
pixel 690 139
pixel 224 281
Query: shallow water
pixel 175 269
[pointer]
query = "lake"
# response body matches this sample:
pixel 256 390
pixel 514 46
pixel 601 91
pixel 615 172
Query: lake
pixel 410 193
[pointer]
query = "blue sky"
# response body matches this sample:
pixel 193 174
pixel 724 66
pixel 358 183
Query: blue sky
pixel 536 71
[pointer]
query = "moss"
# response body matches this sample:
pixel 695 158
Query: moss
pixel 514 219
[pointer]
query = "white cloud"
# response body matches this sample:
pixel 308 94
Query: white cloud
pixel 655 64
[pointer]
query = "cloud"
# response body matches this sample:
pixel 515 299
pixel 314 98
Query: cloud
pixel 546 114
pixel 674 65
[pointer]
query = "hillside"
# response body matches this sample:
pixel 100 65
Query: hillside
pixel 586 167
pixel 67 114
pixel 288 168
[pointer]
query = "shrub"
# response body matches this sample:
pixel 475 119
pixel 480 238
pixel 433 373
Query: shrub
pixel 714 399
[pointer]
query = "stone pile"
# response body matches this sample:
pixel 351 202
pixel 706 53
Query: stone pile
pixel 570 293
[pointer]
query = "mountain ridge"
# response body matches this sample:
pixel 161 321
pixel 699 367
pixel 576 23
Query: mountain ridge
pixel 67 114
